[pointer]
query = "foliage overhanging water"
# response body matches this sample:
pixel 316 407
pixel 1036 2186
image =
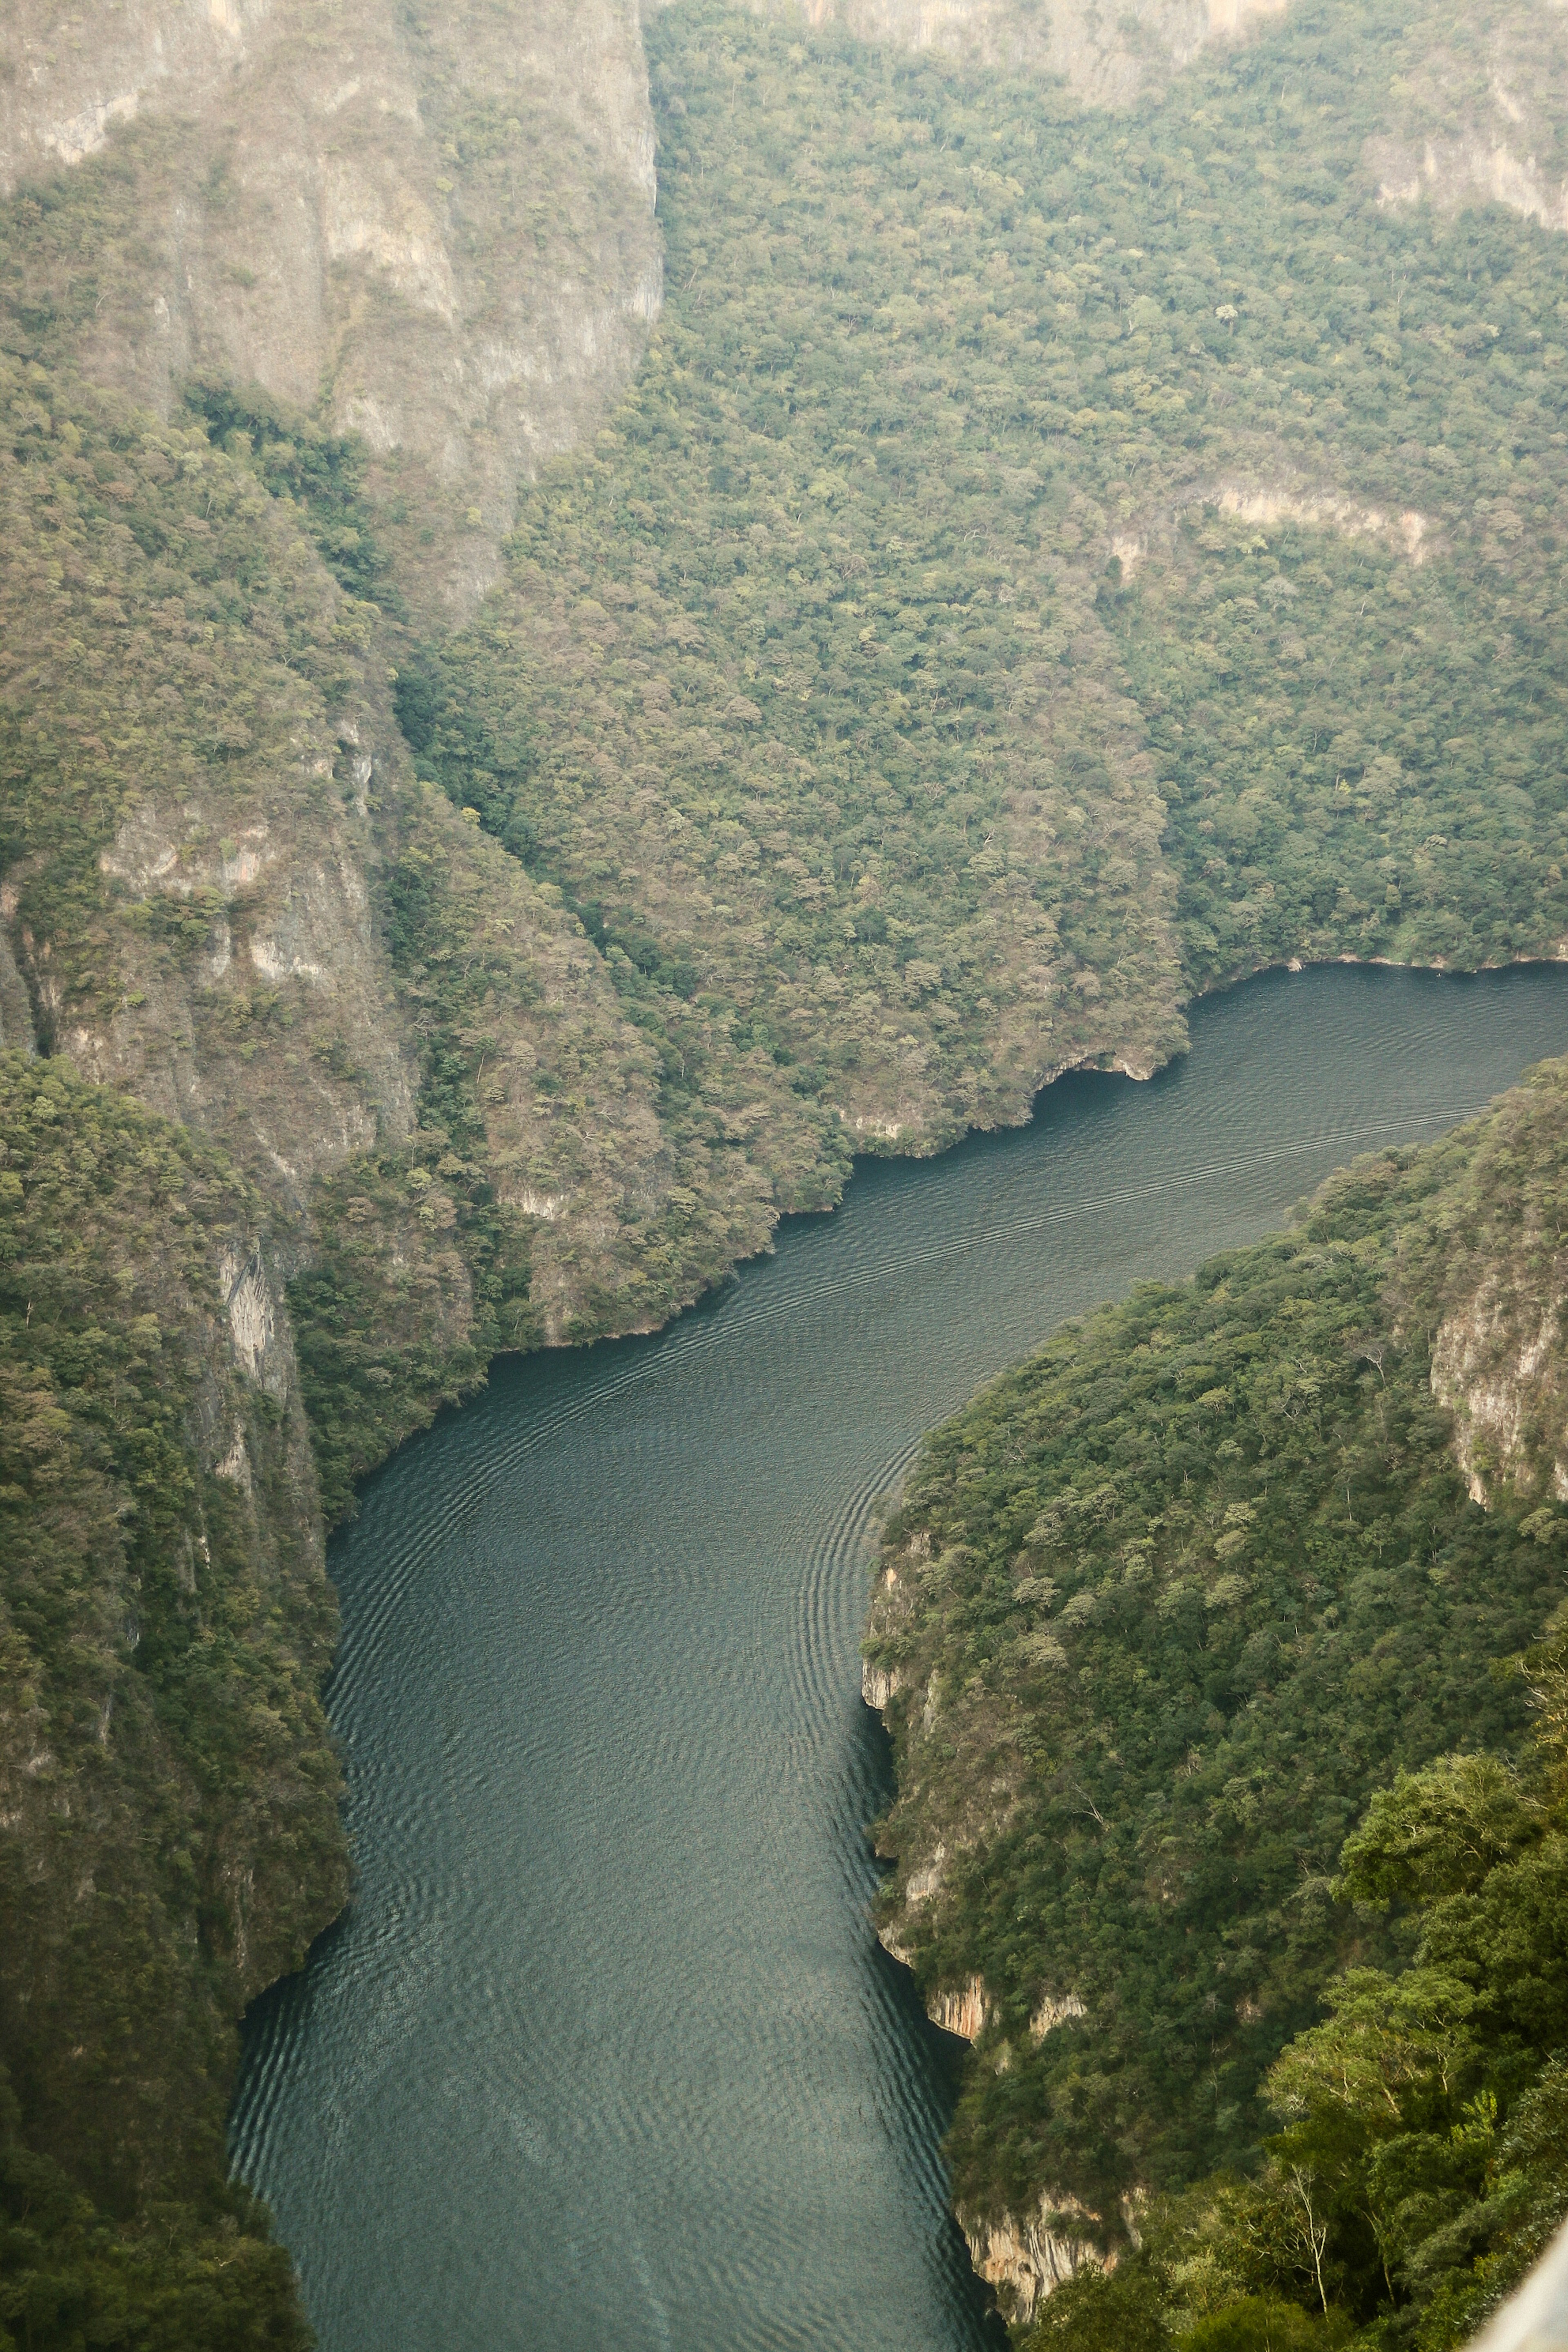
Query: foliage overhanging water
pixel 605 2052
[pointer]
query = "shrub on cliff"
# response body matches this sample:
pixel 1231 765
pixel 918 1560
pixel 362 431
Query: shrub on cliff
pixel 167 1786
pixel 1165 1608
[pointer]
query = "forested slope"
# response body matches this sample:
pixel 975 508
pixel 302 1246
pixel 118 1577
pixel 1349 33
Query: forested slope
pixel 1417 2165
pixel 168 1787
pixel 391 1071
pixel 1049 562
pixel 1158 1612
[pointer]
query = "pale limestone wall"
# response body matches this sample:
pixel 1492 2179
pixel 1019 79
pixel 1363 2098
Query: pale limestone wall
pixel 443 235
pixel 1479 168
pixel 1110 56
pixel 960 2008
pixel 1025 2257
pixel 1495 1364
pixel 1481 124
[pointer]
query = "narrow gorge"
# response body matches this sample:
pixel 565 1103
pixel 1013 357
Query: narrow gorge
pixel 611 1962
pixel 599 616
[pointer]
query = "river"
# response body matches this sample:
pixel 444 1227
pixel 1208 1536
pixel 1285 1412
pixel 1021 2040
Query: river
pixel 604 2055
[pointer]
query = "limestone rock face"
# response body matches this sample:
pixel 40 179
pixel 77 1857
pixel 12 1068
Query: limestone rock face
pixel 962 2008
pixel 1054 2010
pixel 439 220
pixel 207 913
pixel 1482 125
pixel 877 1689
pixel 296 924
pixel 1502 1294
pixel 1112 57
pixel 1025 2257
pixel 1480 167
pixel 1496 1364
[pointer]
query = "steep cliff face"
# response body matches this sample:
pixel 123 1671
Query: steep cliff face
pixel 168 1790
pixel 414 1125
pixel 225 892
pixel 1160 1609
pixel 1488 1272
pixel 1479 118
pixel 1496 1364
pixel 1025 2257
pixel 1482 117
pixel 821 777
pixel 1109 58
pixel 438 230
pixel 188 743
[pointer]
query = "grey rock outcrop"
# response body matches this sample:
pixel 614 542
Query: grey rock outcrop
pixel 1111 58
pixel 1480 120
pixel 445 229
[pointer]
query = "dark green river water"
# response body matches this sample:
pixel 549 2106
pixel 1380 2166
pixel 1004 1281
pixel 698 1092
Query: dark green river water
pixel 604 2054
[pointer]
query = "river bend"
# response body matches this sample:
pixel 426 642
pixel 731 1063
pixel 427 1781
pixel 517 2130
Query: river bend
pixel 604 2056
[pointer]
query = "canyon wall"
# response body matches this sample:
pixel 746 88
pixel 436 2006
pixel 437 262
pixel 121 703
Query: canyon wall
pixel 1108 58
pixel 168 1787
pixel 436 231
pixel 436 1113
pixel 1481 119
pixel 1038 1779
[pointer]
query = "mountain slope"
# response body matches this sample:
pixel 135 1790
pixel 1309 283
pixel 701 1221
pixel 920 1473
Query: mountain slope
pixel 1040 570
pixel 437 232
pixel 168 1787
pixel 1046 561
pixel 1158 1611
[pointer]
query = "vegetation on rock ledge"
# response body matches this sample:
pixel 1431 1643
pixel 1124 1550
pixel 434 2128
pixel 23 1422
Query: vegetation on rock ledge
pixel 169 1787
pixel 1160 1611
pixel 1047 564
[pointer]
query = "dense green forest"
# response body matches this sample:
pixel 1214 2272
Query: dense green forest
pixel 824 685
pixel 1047 563
pixel 1160 1610
pixel 1419 2162
pixel 172 1838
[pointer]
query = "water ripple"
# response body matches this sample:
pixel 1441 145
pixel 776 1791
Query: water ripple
pixel 604 2052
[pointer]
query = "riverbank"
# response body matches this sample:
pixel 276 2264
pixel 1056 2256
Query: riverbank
pixel 599 1688
pixel 1157 1613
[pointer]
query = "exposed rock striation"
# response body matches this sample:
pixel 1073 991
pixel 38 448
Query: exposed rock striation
pixel 1109 60
pixel 1496 1364
pixel 441 232
pixel 1498 1270
pixel 213 921
pixel 1204 1492
pixel 960 2008
pixel 1025 2257
pixel 1481 119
